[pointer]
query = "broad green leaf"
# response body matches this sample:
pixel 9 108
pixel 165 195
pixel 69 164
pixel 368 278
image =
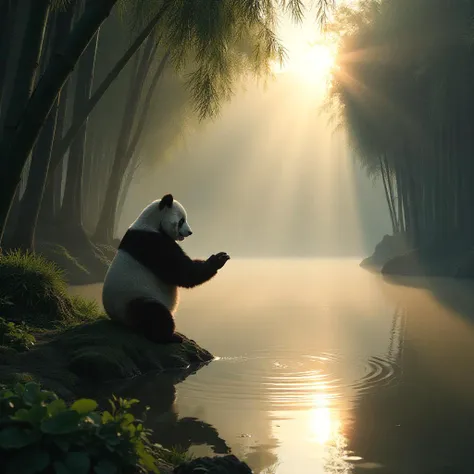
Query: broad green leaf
pixel 62 444
pixel 78 463
pixel 146 459
pixel 127 419
pixel 84 406
pixel 46 395
pixel 19 389
pixel 105 467
pixel 30 461
pixel 15 438
pixel 34 415
pixel 148 462
pixel 32 393
pixel 62 423
pixel 60 468
pixel 21 414
pixel 130 429
pixel 106 417
pixel 56 407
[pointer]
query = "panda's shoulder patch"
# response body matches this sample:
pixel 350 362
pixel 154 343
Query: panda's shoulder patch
pixel 144 241
pixel 155 251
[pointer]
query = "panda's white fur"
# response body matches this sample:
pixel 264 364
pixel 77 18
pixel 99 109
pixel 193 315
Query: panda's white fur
pixel 127 279
pixel 152 219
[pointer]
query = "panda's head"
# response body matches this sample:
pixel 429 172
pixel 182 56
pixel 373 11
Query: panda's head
pixel 173 218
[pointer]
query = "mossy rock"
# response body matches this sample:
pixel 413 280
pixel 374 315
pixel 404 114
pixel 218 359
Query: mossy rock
pixel 117 352
pixel 388 248
pixel 214 465
pixel 95 363
pixel 429 261
pixel 100 351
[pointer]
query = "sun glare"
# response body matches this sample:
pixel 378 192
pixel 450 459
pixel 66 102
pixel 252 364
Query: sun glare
pixel 311 63
pixel 323 426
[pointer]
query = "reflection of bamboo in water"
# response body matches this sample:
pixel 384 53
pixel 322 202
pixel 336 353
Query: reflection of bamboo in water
pixel 397 337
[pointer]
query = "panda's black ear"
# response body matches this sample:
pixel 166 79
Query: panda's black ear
pixel 166 201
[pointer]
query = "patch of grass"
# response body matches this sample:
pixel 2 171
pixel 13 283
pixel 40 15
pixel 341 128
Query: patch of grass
pixel 174 456
pixel 85 310
pixel 16 336
pixel 34 290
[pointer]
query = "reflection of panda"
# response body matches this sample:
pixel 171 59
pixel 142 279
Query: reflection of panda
pixel 141 286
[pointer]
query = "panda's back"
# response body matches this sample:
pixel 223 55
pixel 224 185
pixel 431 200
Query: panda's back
pixel 127 279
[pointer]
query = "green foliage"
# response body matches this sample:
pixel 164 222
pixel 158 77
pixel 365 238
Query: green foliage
pixel 42 278
pixel 84 310
pixel 33 290
pixel 215 41
pixel 40 433
pixel 16 336
pixel 174 456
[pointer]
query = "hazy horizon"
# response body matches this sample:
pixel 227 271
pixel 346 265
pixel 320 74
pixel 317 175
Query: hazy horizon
pixel 268 178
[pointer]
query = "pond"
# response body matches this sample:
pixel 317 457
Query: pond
pixel 322 367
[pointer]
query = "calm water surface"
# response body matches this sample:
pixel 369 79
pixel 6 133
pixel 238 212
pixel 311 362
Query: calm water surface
pixel 323 368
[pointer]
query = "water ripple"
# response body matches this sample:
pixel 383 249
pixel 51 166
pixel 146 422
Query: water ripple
pixel 284 380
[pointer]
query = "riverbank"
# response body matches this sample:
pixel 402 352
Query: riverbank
pixel 54 345
pixel 67 342
pixel 394 256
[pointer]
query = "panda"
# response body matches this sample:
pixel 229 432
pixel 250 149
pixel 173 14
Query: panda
pixel 141 285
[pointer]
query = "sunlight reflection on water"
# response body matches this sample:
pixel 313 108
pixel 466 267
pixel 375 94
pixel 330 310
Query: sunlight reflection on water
pixel 323 368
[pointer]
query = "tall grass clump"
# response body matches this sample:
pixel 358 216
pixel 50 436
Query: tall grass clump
pixel 33 290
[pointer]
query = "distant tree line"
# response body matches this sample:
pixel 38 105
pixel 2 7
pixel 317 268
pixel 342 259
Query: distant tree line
pixel 403 88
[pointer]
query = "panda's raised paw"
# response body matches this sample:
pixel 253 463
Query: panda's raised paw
pixel 219 260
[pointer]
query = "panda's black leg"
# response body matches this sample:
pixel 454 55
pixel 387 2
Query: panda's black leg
pixel 153 320
pixel 163 327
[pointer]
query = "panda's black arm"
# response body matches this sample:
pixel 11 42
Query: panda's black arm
pixel 166 259
pixel 187 273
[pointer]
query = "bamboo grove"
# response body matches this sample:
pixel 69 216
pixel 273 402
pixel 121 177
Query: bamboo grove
pixel 403 87
pixel 89 89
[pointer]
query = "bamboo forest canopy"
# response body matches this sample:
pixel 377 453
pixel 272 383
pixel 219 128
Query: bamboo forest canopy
pixel 403 90
pixel 87 87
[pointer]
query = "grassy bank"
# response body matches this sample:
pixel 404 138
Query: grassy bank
pixel 70 348
pixel 33 291
pixel 65 342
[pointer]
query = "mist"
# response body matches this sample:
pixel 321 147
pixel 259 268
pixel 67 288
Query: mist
pixel 270 178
